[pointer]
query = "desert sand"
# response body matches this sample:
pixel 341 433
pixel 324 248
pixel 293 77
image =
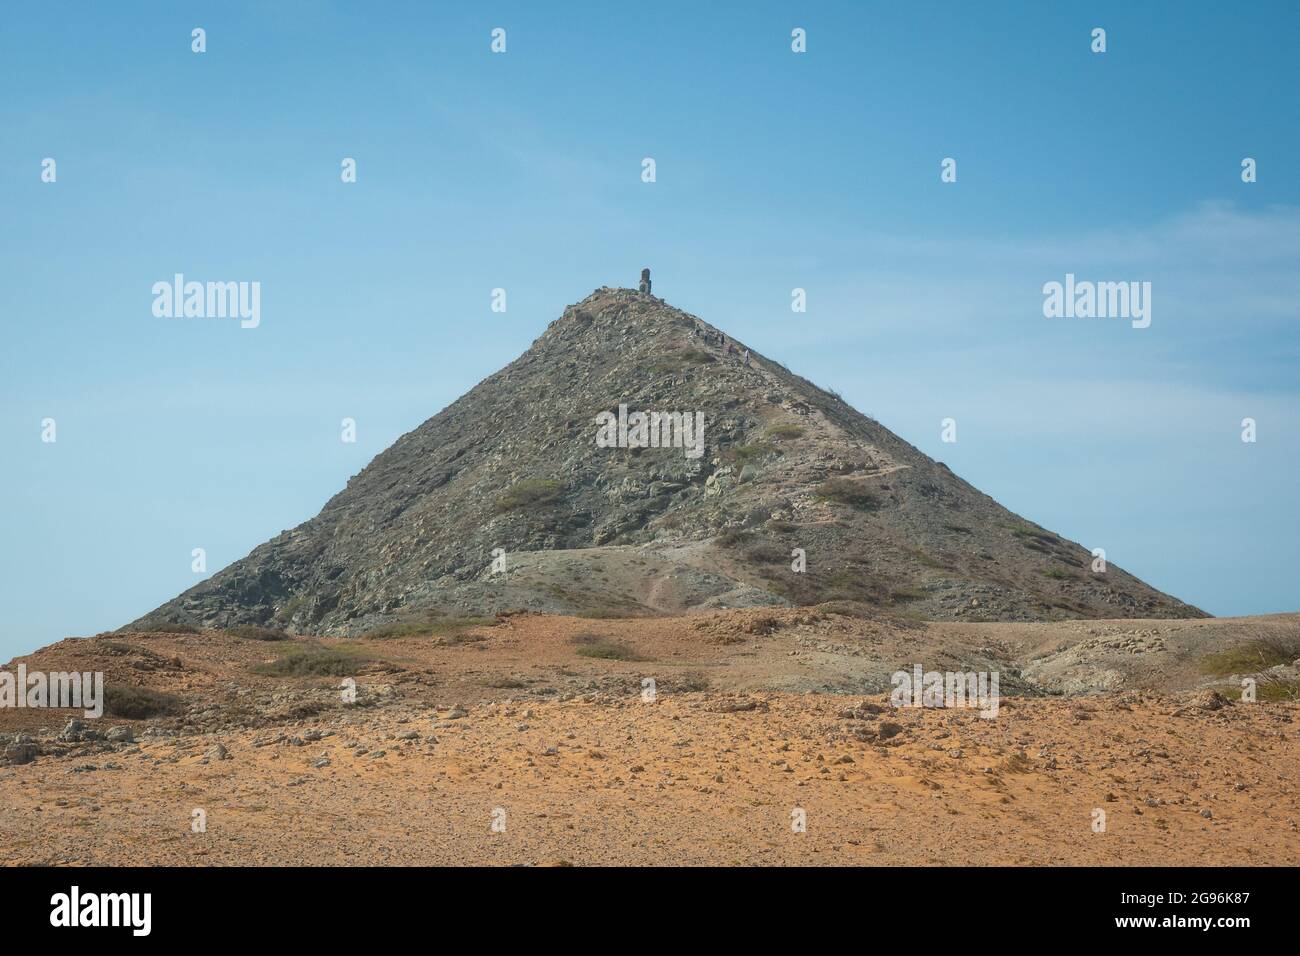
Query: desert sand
pixel 535 740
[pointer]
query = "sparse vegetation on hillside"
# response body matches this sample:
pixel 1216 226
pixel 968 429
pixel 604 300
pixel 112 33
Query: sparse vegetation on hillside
pixel 733 537
pixel 848 491
pixel 457 638
pixel 678 359
pixel 785 432
pixel 290 608
pixel 531 493
pixel 430 626
pixel 767 552
pixel 594 645
pixel 1251 657
pixel 255 633
pixel 314 660
pixel 1268 689
pixel 140 703
pixel 1025 532
pixel 743 454
pixel 930 561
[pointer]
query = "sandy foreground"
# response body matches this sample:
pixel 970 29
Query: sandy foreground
pixel 505 747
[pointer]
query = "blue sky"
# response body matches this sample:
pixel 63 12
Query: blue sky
pixel 522 171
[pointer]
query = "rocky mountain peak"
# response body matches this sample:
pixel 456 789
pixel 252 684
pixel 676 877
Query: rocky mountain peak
pixel 638 460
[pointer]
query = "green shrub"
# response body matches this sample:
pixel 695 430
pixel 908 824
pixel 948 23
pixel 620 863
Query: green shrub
pixel 530 493
pixel 1251 657
pixel 783 432
pixel 254 633
pixel 1033 534
pixel 852 584
pixel 733 537
pixel 1277 690
pixel 1268 689
pixel 929 561
pixel 743 454
pixel 314 660
pixel 431 626
pixel 138 703
pixel 767 552
pixel 848 491
pixel 593 645
pixel 1056 574
pixel 457 638
pixel 679 358
pixel 290 607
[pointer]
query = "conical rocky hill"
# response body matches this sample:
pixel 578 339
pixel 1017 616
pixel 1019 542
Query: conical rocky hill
pixel 506 499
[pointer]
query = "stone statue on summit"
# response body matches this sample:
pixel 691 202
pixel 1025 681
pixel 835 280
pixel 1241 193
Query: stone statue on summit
pixel 645 281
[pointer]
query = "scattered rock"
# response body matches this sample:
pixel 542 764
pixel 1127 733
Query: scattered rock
pixel 888 729
pixel 1211 700
pixel 22 750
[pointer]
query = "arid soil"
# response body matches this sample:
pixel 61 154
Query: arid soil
pixel 535 740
